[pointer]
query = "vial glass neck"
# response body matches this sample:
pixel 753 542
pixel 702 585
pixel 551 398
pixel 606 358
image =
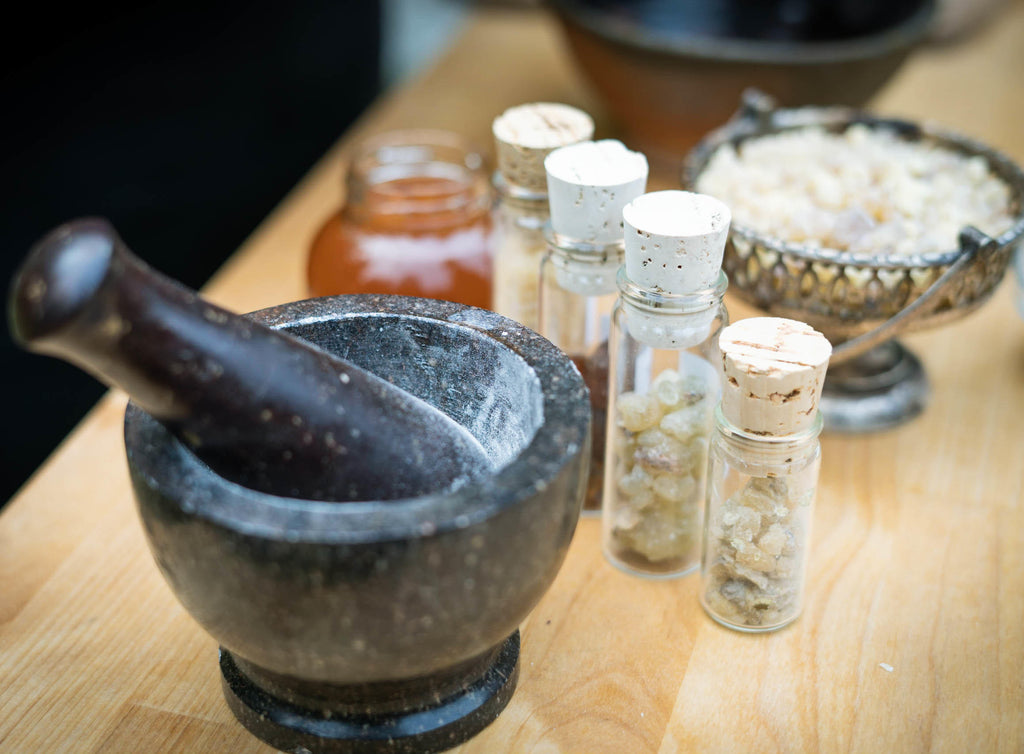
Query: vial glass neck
pixel 524 198
pixel 653 300
pixel 781 454
pixel 582 251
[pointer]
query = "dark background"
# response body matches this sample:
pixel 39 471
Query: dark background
pixel 183 124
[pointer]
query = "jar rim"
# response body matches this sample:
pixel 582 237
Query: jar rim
pixel 417 153
pixel 677 303
pixel 412 137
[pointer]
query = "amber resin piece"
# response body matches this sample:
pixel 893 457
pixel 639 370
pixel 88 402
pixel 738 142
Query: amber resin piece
pixel 760 542
pixel 661 451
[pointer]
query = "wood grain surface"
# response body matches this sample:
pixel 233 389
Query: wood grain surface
pixel 913 635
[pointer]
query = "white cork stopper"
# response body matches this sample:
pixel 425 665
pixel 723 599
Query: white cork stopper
pixel 675 241
pixel 589 184
pixel 774 370
pixel 526 134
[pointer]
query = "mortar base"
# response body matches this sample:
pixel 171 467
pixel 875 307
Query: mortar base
pixel 422 715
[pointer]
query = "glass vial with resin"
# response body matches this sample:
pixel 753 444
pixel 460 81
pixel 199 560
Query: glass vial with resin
pixel 588 185
pixel 523 137
pixel 664 384
pixel 763 474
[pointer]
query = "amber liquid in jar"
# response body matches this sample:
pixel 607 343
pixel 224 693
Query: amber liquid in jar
pixel 416 222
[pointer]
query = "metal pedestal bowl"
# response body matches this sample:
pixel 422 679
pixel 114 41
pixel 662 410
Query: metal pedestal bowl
pixel 862 302
pixel 381 626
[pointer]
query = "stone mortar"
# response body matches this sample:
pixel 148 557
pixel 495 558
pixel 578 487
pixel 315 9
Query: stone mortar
pixel 381 625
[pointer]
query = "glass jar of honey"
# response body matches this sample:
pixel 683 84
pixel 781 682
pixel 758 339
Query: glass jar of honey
pixel 416 222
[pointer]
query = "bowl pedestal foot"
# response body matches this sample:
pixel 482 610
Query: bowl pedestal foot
pixel 881 388
pixel 422 715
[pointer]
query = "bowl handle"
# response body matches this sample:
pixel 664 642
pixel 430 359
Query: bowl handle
pixel 975 246
pixel 757 107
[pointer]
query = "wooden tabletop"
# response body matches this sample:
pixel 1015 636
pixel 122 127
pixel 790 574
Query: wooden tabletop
pixel 913 635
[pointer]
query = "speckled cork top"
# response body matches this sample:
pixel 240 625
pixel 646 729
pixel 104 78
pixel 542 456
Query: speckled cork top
pixel 588 185
pixel 774 370
pixel 675 241
pixel 524 135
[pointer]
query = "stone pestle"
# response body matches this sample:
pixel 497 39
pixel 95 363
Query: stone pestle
pixel 261 408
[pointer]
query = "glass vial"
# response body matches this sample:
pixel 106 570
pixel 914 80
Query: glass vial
pixel 588 185
pixel 763 473
pixel 524 136
pixel 664 385
pixel 416 222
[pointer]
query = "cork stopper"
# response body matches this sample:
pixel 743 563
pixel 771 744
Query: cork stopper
pixel 589 184
pixel 774 370
pixel 526 134
pixel 675 241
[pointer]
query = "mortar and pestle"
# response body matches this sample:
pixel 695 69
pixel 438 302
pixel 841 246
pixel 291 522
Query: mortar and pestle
pixel 360 523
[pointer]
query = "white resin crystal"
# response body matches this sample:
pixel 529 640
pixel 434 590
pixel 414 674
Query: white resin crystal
pixel 660 442
pixel 866 190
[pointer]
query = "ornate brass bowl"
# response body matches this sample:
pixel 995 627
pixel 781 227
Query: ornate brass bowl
pixel 859 301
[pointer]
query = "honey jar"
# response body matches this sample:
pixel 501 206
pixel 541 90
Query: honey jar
pixel 416 222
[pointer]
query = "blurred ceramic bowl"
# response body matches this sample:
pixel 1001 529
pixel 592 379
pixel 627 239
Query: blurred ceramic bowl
pixel 669 72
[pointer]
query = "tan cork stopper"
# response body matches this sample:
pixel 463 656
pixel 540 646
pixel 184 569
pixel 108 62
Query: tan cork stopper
pixel 526 134
pixel 774 370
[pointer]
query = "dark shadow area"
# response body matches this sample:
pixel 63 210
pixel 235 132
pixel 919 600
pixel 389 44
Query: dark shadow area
pixel 184 124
